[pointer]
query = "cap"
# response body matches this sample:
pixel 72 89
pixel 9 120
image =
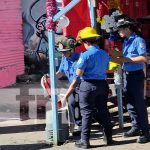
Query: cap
pixel 66 43
pixel 123 21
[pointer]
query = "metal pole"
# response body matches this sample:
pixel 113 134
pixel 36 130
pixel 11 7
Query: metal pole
pixel 65 9
pixel 52 17
pixel 51 10
pixel 120 108
pixel 92 6
pixel 53 86
pixel 118 84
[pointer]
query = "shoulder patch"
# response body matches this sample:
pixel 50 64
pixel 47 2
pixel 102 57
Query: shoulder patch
pixel 142 45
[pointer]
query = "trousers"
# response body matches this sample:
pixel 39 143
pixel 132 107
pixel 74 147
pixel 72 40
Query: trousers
pixel 136 105
pixel 94 95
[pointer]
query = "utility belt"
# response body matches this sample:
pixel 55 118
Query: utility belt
pixel 94 80
pixel 133 72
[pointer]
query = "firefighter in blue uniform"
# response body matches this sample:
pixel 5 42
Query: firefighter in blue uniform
pixel 93 90
pixel 133 62
pixel 66 45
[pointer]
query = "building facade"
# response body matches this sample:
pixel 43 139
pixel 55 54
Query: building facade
pixel 11 45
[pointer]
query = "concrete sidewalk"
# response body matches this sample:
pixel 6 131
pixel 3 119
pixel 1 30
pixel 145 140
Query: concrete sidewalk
pixel 30 134
pixel 23 127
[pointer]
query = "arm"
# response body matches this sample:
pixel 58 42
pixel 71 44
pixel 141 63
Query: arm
pixel 141 54
pixel 71 88
pixel 79 72
pixel 75 82
pixel 120 60
pixel 59 74
pixel 138 59
pixel 116 56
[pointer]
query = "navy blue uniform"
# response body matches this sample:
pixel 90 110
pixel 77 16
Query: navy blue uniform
pixel 94 90
pixel 135 46
pixel 68 67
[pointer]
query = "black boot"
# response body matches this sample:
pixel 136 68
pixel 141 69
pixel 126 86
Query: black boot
pixel 132 132
pixel 144 138
pixel 108 139
pixel 82 144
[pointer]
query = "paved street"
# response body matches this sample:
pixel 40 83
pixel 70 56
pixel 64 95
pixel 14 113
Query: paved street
pixel 22 129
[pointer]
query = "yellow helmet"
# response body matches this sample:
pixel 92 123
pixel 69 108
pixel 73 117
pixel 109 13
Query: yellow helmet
pixel 87 33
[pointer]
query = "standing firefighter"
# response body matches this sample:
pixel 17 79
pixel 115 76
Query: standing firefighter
pixel 91 72
pixel 133 60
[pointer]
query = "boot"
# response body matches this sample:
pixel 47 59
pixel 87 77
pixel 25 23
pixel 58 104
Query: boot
pixel 108 139
pixel 132 132
pixel 82 144
pixel 144 138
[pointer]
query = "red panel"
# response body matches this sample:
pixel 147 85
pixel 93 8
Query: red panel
pixel 146 30
pixel 134 8
pixel 145 7
pixel 131 8
pixel 79 18
pixel 141 8
pixel 102 8
pixel 127 7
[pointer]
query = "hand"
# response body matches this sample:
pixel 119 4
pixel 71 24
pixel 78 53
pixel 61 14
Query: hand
pixel 115 53
pixel 64 101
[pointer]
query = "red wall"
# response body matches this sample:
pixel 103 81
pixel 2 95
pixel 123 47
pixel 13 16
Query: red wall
pixel 79 17
pixel 134 8
pixel 11 47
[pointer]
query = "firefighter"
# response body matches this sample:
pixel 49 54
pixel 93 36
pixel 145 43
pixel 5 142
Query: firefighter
pixel 91 73
pixel 133 62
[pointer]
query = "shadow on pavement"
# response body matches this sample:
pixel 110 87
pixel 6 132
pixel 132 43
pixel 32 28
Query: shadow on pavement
pixel 24 147
pixel 104 145
pixel 22 128
pixel 115 143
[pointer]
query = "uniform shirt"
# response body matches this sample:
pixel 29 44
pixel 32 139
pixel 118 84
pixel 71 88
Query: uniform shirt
pixel 94 62
pixel 133 46
pixel 68 66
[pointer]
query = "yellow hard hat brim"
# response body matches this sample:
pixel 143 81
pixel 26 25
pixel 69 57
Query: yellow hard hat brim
pixel 90 36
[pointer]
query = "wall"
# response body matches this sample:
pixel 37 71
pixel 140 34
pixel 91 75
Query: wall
pixel 134 8
pixel 35 38
pixel 11 47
